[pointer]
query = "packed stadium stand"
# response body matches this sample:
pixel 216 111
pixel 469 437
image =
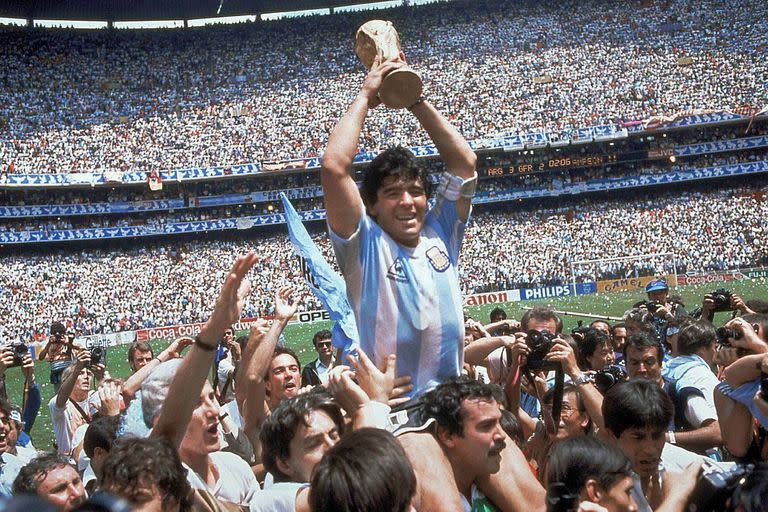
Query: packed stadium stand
pixel 641 126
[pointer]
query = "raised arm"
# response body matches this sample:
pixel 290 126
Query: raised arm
pixel 83 358
pixel 343 205
pixel 454 149
pixel 249 381
pixel 187 384
pixel 172 351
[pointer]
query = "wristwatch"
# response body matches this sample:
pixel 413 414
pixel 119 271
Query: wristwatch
pixel 583 379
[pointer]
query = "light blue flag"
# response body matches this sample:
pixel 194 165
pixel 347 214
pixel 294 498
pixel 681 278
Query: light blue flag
pixel 326 284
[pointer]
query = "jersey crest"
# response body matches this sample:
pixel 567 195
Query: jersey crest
pixel 438 259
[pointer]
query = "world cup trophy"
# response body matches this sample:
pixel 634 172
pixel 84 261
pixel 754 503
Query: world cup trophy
pixel 402 87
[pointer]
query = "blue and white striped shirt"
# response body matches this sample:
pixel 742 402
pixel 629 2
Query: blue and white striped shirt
pixel 407 301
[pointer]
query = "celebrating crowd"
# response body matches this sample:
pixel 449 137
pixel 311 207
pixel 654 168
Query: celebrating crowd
pixel 420 407
pixel 76 102
pixel 411 404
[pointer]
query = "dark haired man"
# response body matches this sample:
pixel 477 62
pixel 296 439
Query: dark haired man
pixel 148 474
pixel 316 372
pixel 618 338
pixel 595 350
pixel 52 478
pixel 636 414
pixel 297 433
pixel 97 443
pixel 367 471
pixel 643 356
pixel 691 385
pixel 283 378
pixel 400 261
pixel 468 413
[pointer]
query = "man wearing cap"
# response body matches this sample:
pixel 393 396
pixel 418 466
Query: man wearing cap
pixel 662 309
pixel 58 352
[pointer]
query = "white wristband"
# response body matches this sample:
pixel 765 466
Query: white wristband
pixel 453 187
pixel 671 437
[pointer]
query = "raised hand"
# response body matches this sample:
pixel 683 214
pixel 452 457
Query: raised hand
pixel 230 302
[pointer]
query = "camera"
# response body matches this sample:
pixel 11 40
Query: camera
pixel 725 334
pixel 722 299
pixel 609 376
pixel 579 331
pixel 653 306
pixel 98 356
pixel 19 350
pixel 764 386
pixel 561 499
pixel 715 485
pixel 540 342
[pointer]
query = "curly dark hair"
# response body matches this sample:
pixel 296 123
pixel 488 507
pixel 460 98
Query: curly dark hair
pixel 443 403
pixel 398 162
pixel 36 470
pixel 136 464
pixel 367 471
pixel 281 425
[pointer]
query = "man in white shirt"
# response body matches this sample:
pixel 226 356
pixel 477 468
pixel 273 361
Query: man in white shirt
pixel 71 407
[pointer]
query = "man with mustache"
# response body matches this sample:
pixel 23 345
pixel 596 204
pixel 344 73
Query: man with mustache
pixel 467 414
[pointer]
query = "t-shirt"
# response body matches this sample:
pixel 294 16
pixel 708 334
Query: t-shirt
pixel 279 497
pixel 223 372
pixel 407 301
pixel 693 373
pixel 236 483
pixel 66 420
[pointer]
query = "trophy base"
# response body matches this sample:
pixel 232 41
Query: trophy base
pixel 401 88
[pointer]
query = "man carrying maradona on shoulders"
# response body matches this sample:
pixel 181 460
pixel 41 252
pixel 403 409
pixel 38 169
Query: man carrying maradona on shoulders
pixel 400 264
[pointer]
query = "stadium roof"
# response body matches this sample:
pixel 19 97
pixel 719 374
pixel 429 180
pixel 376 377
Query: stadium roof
pixel 138 10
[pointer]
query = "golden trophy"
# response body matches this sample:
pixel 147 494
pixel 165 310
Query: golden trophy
pixel 402 87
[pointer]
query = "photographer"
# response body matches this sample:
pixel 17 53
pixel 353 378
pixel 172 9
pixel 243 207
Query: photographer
pixel 11 356
pixel 662 308
pixel 71 407
pixel 595 350
pixel 720 301
pixel 58 351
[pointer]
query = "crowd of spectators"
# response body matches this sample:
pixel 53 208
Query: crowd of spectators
pixel 146 100
pixel 106 290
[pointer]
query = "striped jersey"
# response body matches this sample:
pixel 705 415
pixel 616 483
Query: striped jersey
pixel 407 301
